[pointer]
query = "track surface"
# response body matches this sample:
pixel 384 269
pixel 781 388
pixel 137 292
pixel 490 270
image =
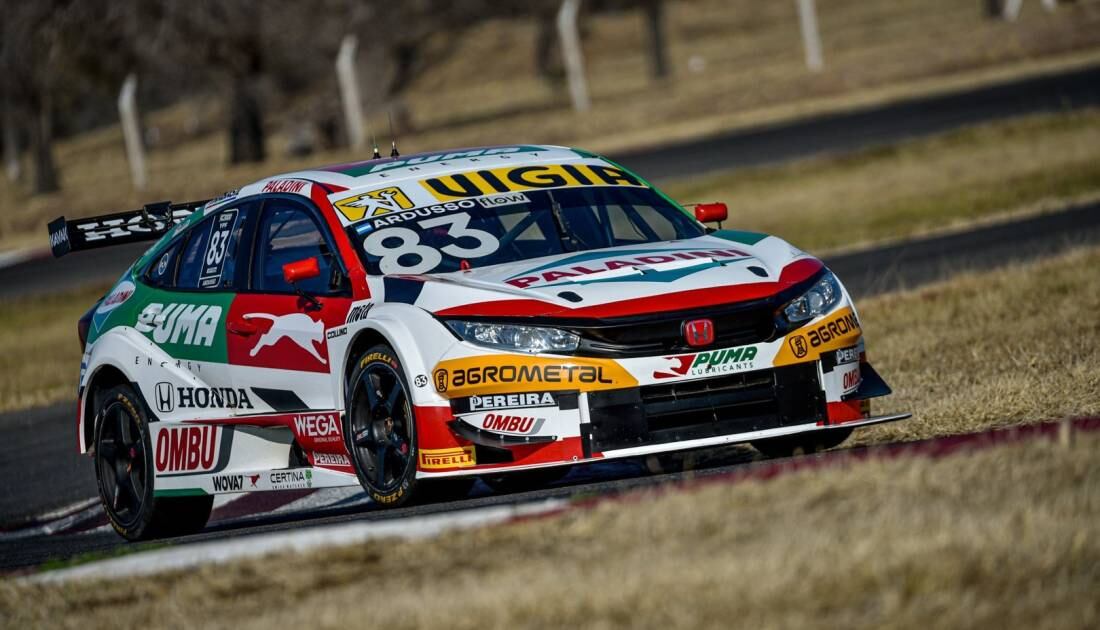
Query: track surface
pixel 753 147
pixel 41 440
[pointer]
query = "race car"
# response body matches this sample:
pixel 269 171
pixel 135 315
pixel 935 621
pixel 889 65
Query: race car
pixel 437 318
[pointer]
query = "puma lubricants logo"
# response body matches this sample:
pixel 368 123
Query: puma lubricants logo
pixel 297 327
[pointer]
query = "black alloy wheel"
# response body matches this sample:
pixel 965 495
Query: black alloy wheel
pixel 124 473
pixel 380 428
pixel 121 457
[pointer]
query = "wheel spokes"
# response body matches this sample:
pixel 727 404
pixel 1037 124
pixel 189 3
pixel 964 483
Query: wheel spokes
pixel 380 465
pixel 391 400
pixel 372 391
pixel 124 433
pixel 108 449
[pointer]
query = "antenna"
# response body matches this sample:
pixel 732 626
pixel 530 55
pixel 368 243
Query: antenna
pixel 373 142
pixel 393 138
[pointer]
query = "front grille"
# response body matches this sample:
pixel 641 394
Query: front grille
pixel 662 334
pixel 687 410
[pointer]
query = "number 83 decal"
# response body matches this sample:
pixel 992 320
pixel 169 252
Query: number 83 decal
pixel 382 245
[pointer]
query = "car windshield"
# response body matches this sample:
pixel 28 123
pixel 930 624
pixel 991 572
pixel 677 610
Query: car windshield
pixel 511 227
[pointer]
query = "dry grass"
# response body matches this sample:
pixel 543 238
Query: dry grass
pixel 39 348
pixel 914 186
pixel 753 63
pixel 1001 538
pixel 991 349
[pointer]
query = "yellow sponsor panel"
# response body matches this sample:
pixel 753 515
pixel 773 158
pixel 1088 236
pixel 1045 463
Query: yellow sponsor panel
pixel 374 203
pixel 520 178
pixel 505 373
pixel 839 330
pixel 440 458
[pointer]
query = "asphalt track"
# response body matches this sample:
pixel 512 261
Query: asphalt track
pixel 837 133
pixel 41 471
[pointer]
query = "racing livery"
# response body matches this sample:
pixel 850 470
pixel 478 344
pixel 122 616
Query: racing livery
pixel 446 316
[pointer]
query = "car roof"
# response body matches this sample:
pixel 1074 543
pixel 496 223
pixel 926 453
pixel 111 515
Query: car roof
pixel 391 170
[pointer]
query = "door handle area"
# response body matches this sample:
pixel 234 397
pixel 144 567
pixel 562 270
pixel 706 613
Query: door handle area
pixel 241 328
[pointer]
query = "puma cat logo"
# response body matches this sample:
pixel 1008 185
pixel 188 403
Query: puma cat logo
pixel 297 327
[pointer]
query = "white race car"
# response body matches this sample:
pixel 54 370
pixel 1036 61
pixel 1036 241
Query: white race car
pixel 439 317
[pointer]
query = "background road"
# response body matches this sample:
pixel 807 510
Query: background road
pixel 752 147
pixel 42 472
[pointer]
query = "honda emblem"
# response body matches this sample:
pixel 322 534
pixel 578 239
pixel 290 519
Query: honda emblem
pixel 165 400
pixel 699 332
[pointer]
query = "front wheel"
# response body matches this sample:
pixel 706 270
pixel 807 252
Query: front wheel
pixel 380 428
pixel 804 443
pixel 124 474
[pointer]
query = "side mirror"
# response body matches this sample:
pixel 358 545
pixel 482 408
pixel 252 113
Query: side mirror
pixel 301 270
pixel 711 212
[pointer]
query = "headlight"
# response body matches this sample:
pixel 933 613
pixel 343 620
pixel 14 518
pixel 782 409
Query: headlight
pixel 533 339
pixel 821 297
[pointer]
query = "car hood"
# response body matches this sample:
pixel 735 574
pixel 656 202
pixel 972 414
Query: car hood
pixel 721 268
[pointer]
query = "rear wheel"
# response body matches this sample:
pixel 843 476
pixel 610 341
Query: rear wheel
pixel 124 474
pixel 804 443
pixel 380 428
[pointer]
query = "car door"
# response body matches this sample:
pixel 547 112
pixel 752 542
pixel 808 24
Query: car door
pixel 185 373
pixel 276 328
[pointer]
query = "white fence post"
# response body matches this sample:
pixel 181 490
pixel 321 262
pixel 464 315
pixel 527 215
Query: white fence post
pixel 1050 5
pixel 131 131
pixel 1012 9
pixel 571 52
pixel 349 91
pixel 811 39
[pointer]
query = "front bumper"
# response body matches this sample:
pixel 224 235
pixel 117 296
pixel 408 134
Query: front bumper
pixel 522 411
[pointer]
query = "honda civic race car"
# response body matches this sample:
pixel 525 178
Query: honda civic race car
pixel 404 321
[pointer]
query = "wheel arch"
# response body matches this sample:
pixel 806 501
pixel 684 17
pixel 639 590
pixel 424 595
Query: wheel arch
pixel 104 377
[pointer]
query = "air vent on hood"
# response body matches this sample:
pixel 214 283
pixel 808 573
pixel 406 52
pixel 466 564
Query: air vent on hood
pixel 569 295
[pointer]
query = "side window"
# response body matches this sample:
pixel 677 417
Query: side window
pixel 289 233
pixel 162 270
pixel 209 257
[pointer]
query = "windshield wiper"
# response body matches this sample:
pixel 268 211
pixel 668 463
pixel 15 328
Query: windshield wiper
pixel 567 242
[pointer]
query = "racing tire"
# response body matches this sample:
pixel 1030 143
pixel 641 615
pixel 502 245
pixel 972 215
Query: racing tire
pixel 125 478
pixel 805 444
pixel 380 428
pixel 524 480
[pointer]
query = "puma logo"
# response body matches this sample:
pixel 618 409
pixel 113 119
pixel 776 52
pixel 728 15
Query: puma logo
pixel 297 327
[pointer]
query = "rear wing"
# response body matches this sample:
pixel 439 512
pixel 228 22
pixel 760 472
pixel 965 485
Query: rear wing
pixel 147 224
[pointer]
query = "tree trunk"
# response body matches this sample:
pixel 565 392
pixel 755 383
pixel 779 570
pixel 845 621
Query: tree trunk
pixel 12 168
pixel 246 124
pixel 45 168
pixel 658 49
pixel 548 64
pixel 993 8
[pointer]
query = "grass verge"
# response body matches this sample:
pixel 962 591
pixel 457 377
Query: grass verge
pixel 39 348
pixel 1002 537
pixel 989 349
pixel 915 186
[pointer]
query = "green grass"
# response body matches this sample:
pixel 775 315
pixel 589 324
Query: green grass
pixel 914 186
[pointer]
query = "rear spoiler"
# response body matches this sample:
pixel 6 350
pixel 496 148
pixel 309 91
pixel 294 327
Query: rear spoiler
pixel 147 224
